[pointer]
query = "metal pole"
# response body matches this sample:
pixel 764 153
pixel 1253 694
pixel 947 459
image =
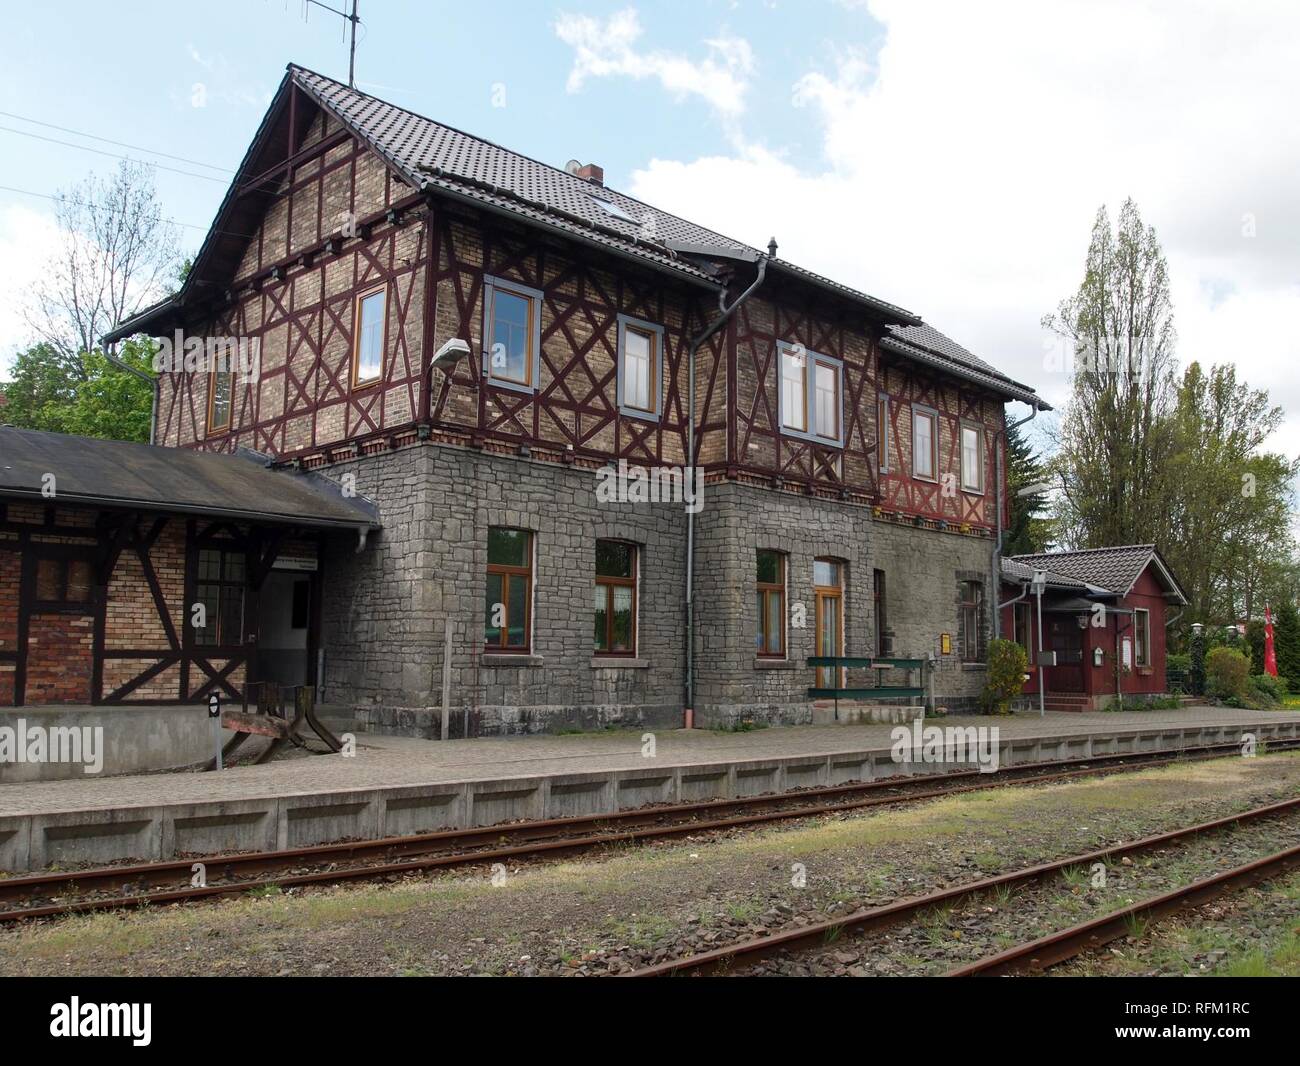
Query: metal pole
pixel 446 678
pixel 352 48
pixel 1042 677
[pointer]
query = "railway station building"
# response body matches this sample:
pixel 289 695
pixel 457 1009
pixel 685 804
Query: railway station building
pixel 510 448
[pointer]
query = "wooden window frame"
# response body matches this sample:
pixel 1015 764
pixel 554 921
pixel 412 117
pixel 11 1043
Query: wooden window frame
pixel 919 410
pixel 213 430
pixel 969 655
pixel 533 333
pixel 219 584
pixel 882 432
pixel 982 444
pixel 766 589
pixel 812 360
pixel 609 584
pixel 1019 610
pixel 821 593
pixel 358 382
pixel 1142 647
pixel 506 571
pixel 62 604
pixel 655 334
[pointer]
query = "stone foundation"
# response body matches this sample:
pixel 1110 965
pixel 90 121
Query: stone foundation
pixel 384 609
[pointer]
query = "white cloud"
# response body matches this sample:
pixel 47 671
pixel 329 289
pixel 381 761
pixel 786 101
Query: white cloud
pixel 27 239
pixel 961 175
pixel 611 48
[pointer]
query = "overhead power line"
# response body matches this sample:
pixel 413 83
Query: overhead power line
pixel 120 144
pixel 114 155
pixel 82 203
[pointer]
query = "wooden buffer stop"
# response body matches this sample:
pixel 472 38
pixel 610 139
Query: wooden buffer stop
pixel 269 718
pixel 837 666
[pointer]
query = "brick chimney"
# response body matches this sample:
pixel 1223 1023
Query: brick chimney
pixel 592 173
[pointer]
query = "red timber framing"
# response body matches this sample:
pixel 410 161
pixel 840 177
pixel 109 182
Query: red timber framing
pixel 953 404
pixel 336 221
pixel 131 641
pixel 574 410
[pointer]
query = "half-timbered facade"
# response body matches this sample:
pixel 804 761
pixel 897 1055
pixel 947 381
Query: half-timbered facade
pixel 498 353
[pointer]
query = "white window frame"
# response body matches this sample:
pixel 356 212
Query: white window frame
pixel 655 410
pixel 919 410
pixel 973 486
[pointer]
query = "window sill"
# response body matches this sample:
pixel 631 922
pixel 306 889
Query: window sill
pixel 618 662
pixel 974 666
pixel 506 659
pixel 775 664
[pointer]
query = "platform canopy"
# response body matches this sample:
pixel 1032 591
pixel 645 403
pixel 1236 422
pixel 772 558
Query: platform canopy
pixel 121 474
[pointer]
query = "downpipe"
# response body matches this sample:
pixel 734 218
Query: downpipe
pixel 152 379
pixel 995 562
pixel 725 313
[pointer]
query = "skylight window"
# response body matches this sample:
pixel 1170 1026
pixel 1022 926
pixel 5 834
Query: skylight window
pixel 612 208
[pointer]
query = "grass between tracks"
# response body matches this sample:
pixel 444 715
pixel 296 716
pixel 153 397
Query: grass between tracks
pixel 641 901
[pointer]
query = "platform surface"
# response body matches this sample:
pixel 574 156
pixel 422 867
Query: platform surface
pixel 384 761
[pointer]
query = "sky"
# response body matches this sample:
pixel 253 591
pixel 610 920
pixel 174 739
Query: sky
pixel 944 155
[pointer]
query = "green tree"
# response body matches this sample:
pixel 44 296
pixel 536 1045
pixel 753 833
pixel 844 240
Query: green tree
pixel 1286 643
pixel 89 397
pixel 1029 530
pixel 1255 640
pixel 1229 498
pixel 41 387
pixel 1115 436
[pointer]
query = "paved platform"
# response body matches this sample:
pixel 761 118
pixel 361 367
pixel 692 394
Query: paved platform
pixel 397 785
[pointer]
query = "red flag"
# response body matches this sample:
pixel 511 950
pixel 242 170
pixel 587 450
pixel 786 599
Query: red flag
pixel 1270 654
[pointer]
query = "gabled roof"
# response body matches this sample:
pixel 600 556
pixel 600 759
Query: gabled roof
pixel 124 474
pixel 1013 570
pixel 431 155
pixel 923 343
pixel 1116 569
pixel 440 159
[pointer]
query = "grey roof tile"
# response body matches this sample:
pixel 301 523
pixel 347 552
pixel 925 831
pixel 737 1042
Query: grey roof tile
pixel 440 155
pixel 152 478
pixel 1115 568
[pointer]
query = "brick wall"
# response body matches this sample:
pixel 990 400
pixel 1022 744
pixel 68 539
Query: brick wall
pixel 10 572
pixel 59 655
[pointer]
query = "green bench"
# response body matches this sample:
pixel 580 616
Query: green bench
pixel 880 664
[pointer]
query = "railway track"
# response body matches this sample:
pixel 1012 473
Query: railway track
pixel 114 887
pixel 1032 956
pixel 1041 954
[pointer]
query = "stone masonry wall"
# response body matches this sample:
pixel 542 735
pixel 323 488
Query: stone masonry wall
pixel 384 608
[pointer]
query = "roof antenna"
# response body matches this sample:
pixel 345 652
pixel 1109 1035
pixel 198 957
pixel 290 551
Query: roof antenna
pixel 771 248
pixel 352 34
